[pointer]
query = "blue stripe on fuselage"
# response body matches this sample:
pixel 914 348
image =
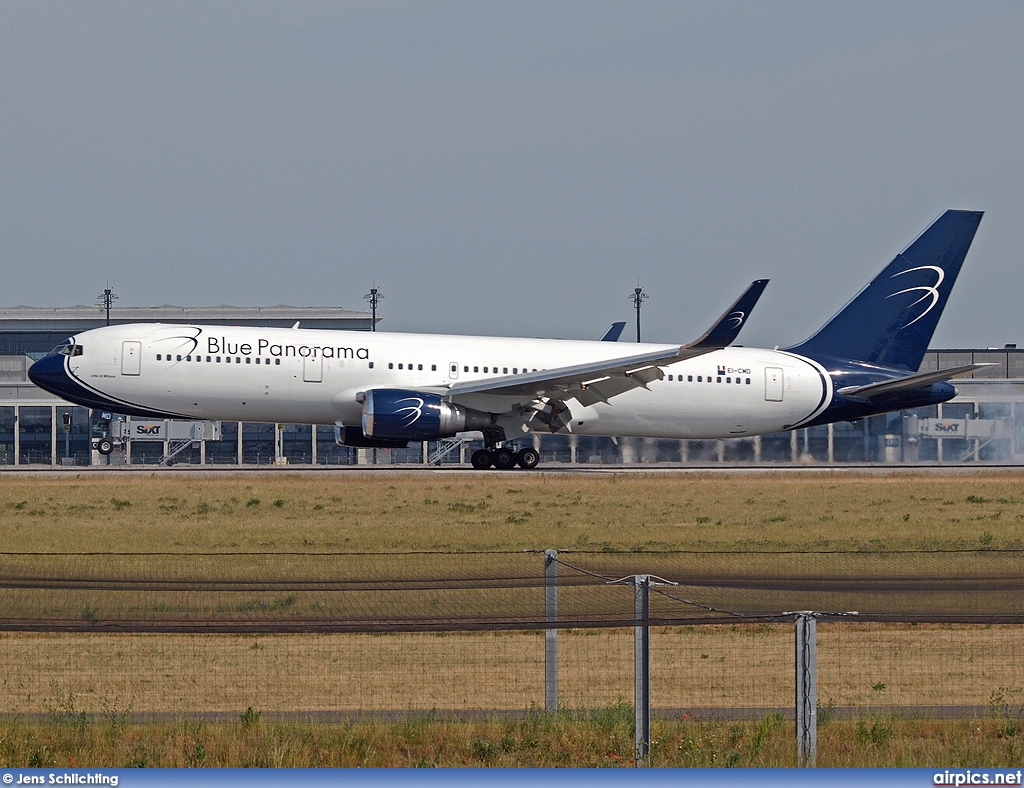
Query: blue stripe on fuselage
pixel 51 374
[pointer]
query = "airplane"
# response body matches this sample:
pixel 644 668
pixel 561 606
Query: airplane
pixel 385 390
pixel 614 332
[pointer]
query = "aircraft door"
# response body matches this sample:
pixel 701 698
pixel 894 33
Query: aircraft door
pixel 453 370
pixel 773 384
pixel 131 357
pixel 313 369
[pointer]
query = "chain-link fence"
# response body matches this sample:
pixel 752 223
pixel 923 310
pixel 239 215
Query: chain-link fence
pixel 344 636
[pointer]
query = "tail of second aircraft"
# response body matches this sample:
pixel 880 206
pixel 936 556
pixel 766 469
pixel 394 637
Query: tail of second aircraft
pixel 891 321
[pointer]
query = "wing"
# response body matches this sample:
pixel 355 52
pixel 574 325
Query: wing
pixel 614 332
pixel 909 382
pixel 599 381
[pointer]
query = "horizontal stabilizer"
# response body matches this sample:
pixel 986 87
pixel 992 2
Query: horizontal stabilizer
pixel 910 382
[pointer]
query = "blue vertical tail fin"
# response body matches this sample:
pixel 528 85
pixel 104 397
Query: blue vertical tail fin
pixel 891 321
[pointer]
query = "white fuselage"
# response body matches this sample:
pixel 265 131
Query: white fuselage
pixel 313 377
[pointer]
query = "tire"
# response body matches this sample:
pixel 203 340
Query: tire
pixel 104 446
pixel 481 459
pixel 528 458
pixel 504 459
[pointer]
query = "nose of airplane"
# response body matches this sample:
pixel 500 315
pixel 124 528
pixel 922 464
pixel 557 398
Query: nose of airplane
pixel 48 373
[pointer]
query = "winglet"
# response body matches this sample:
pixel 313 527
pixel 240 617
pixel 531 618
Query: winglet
pixel 725 331
pixel 614 332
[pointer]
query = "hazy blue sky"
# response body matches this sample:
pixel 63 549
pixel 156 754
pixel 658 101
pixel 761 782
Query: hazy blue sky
pixel 510 168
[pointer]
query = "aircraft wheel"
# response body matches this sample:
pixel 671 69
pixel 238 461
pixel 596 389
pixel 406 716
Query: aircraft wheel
pixel 528 458
pixel 504 459
pixel 104 446
pixel 481 459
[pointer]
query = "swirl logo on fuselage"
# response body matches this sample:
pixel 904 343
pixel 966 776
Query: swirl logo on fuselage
pixel 184 341
pixel 736 318
pixel 414 411
pixel 928 291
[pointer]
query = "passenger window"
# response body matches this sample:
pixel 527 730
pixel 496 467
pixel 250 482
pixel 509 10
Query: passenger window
pixel 248 360
pixel 476 369
pixel 277 361
pixel 689 378
pixel 391 365
pixel 218 359
pixel 433 367
pixel 371 365
pixel 419 366
pixel 728 380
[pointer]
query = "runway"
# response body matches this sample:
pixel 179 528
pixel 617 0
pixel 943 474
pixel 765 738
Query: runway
pixel 640 469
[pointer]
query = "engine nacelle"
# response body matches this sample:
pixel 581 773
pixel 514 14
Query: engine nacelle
pixel 353 436
pixel 404 415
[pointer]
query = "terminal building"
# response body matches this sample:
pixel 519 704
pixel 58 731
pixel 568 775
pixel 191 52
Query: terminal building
pixel 983 424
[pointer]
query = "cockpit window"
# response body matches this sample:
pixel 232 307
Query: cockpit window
pixel 68 350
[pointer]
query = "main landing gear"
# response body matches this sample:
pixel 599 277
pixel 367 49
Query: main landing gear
pixel 505 459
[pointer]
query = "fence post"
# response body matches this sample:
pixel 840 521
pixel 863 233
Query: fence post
pixel 806 689
pixel 551 635
pixel 642 669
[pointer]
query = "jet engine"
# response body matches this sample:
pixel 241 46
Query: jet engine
pixel 404 415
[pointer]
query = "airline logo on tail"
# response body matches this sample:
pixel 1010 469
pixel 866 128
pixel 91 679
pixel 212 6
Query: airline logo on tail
pixel 931 292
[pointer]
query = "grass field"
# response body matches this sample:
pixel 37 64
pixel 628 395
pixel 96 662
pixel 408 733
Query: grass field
pixel 692 668
pixel 175 525
pixel 361 513
pixel 602 738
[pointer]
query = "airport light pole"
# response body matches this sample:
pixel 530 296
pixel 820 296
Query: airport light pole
pixel 373 297
pixel 105 299
pixel 638 297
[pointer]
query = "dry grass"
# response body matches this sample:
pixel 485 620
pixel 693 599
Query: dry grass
pixel 600 738
pixel 701 667
pixel 535 511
